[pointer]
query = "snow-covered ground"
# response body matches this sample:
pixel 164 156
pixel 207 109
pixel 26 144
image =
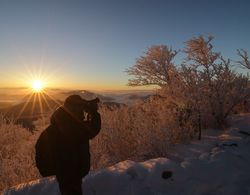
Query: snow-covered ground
pixel 218 164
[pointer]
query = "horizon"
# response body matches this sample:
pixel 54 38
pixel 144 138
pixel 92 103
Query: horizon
pixel 15 95
pixel 79 89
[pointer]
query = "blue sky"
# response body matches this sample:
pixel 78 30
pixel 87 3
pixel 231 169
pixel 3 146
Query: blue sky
pixel 89 44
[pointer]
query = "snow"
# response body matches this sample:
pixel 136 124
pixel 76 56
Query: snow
pixel 218 164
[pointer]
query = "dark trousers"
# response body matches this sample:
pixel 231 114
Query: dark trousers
pixel 70 186
pixel 70 169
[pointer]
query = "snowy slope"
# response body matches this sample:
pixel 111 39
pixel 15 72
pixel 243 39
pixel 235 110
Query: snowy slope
pixel 218 164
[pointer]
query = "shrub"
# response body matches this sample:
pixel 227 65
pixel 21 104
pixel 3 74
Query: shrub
pixel 17 162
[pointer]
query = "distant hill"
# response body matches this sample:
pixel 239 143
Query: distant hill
pixel 31 108
pixel 122 98
pixel 36 105
pixel 89 95
pixel 106 101
pixel 33 105
pixel 5 104
pixel 130 97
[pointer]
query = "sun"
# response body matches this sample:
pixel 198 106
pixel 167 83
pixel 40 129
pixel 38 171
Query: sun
pixel 37 86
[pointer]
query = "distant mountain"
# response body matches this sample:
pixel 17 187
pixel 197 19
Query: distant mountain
pixel 36 105
pixel 31 108
pixel 33 105
pixel 130 98
pixel 134 97
pixel 5 104
pixel 120 97
pixel 106 101
pixel 89 95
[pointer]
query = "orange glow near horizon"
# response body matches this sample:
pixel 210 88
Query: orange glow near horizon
pixel 36 79
pixel 37 98
pixel 37 92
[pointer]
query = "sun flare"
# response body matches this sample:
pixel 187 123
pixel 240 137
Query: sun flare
pixel 37 86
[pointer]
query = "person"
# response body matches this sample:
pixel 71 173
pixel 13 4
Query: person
pixel 65 151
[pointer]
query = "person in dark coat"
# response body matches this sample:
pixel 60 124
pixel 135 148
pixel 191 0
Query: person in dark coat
pixel 68 138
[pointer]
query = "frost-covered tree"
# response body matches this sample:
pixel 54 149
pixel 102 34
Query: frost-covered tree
pixel 221 87
pixel 204 89
pixel 156 67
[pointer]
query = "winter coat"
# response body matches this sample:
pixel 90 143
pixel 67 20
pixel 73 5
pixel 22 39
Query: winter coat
pixel 63 148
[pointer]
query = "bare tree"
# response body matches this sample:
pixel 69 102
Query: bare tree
pixel 156 67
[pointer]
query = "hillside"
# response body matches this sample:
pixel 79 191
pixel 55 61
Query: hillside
pixel 31 108
pixel 218 164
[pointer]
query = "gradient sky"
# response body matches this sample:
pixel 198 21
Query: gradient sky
pixel 89 44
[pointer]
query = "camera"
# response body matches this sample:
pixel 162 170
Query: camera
pixel 91 106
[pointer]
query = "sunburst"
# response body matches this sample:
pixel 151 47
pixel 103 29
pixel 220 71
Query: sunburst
pixel 38 101
pixel 37 86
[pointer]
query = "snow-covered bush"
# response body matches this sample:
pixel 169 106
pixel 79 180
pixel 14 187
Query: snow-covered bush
pixel 17 162
pixel 142 131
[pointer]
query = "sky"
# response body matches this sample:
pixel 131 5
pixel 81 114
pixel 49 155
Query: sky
pixel 80 44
